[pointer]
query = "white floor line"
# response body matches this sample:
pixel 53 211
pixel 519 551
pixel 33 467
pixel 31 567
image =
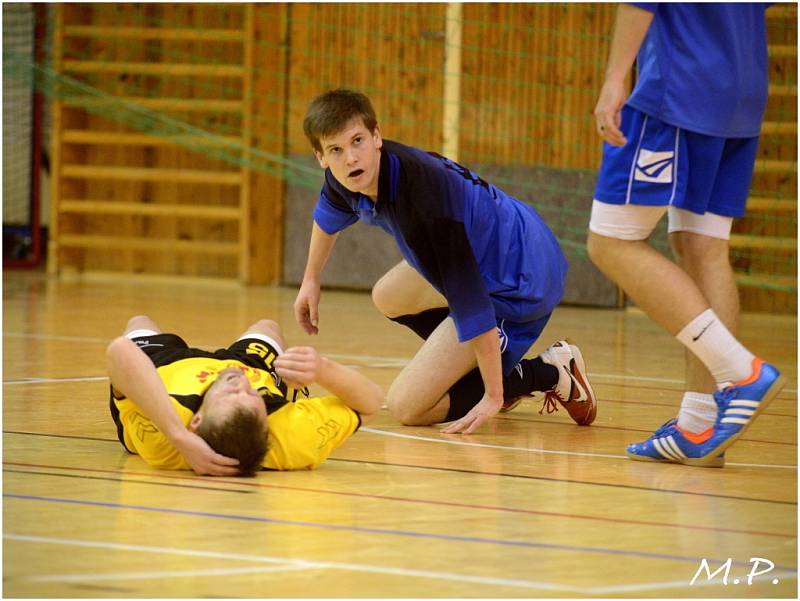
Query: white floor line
pixel 162 574
pixel 53 380
pixel 297 564
pixel 376 361
pixel 293 563
pixel 541 451
pixel 487 446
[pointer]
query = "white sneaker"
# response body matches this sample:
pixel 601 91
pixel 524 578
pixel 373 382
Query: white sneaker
pixel 573 390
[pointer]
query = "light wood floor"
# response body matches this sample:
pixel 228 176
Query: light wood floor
pixel 532 506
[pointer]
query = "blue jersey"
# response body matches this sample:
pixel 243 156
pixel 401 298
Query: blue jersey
pixel 703 67
pixel 490 255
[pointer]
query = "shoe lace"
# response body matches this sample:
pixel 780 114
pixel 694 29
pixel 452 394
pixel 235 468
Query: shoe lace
pixel 726 394
pixel 666 426
pixel 549 402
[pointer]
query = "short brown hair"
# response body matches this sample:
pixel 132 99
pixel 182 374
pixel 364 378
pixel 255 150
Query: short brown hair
pixel 240 435
pixel 329 113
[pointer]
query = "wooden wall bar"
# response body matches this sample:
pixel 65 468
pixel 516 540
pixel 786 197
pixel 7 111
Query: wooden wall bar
pixel 239 77
pixel 392 52
pixel 531 73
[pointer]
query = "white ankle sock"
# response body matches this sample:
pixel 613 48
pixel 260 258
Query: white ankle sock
pixel 724 356
pixel 698 412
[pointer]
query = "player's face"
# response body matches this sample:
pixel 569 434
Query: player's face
pixel 354 157
pixel 232 388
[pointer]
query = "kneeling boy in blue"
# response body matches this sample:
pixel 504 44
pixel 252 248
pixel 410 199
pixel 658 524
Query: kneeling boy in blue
pixel 480 278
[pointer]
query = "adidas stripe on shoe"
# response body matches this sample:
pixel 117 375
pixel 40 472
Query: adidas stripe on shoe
pixel 669 444
pixel 740 403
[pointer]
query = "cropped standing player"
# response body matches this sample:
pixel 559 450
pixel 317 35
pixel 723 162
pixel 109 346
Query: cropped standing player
pixel 481 276
pixel 230 411
pixel 684 143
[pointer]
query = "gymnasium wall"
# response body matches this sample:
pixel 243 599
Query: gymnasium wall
pixel 177 146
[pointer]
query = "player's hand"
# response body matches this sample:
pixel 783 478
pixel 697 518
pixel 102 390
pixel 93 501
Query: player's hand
pixel 607 112
pixel 299 366
pixel 306 307
pixel 202 458
pixel 485 410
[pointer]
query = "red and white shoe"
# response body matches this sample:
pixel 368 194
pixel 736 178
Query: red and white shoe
pixel 573 389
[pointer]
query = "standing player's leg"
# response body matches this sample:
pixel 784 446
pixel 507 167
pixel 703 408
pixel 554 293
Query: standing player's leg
pixel 700 246
pixel 680 307
pixel 641 271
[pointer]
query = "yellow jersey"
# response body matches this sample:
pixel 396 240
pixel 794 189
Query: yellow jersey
pixel 302 434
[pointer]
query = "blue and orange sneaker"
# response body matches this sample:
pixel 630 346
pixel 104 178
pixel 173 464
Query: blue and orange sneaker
pixel 740 403
pixel 670 444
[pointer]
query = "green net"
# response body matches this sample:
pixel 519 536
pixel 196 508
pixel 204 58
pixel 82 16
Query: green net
pixel 18 25
pixel 527 76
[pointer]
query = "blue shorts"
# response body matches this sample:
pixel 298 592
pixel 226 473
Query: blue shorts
pixel 665 165
pixel 516 339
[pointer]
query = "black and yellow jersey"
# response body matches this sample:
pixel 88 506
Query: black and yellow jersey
pixel 302 434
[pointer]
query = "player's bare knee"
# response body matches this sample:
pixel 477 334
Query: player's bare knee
pixel 268 327
pixel 379 297
pixel 405 414
pixel 141 322
pixel 601 248
pixel 384 297
pixel 696 249
pixel 116 346
pixel 403 409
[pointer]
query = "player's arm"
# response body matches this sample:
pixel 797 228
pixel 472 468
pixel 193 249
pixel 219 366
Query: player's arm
pixel 306 305
pixel 134 376
pixel 331 215
pixel 487 352
pixel 472 312
pixel 630 30
pixel 303 365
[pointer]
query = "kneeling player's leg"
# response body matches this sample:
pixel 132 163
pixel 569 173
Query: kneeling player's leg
pixel 404 296
pixel 420 394
pixel 442 382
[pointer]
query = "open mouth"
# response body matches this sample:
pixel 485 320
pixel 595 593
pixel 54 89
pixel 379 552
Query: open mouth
pixel 356 173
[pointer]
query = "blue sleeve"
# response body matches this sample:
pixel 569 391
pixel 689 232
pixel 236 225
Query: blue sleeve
pixel 332 213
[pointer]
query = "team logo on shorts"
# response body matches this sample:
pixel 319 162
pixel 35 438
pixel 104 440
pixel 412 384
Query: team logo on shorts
pixel 502 334
pixel 654 167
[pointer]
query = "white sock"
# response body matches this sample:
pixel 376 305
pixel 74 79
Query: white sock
pixel 698 412
pixel 724 356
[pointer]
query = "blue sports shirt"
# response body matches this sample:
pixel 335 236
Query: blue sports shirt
pixel 490 255
pixel 703 67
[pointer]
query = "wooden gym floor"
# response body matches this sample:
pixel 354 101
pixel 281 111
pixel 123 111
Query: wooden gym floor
pixel 532 506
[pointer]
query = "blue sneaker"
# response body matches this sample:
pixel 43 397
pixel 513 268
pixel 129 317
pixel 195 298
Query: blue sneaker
pixel 740 403
pixel 669 444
